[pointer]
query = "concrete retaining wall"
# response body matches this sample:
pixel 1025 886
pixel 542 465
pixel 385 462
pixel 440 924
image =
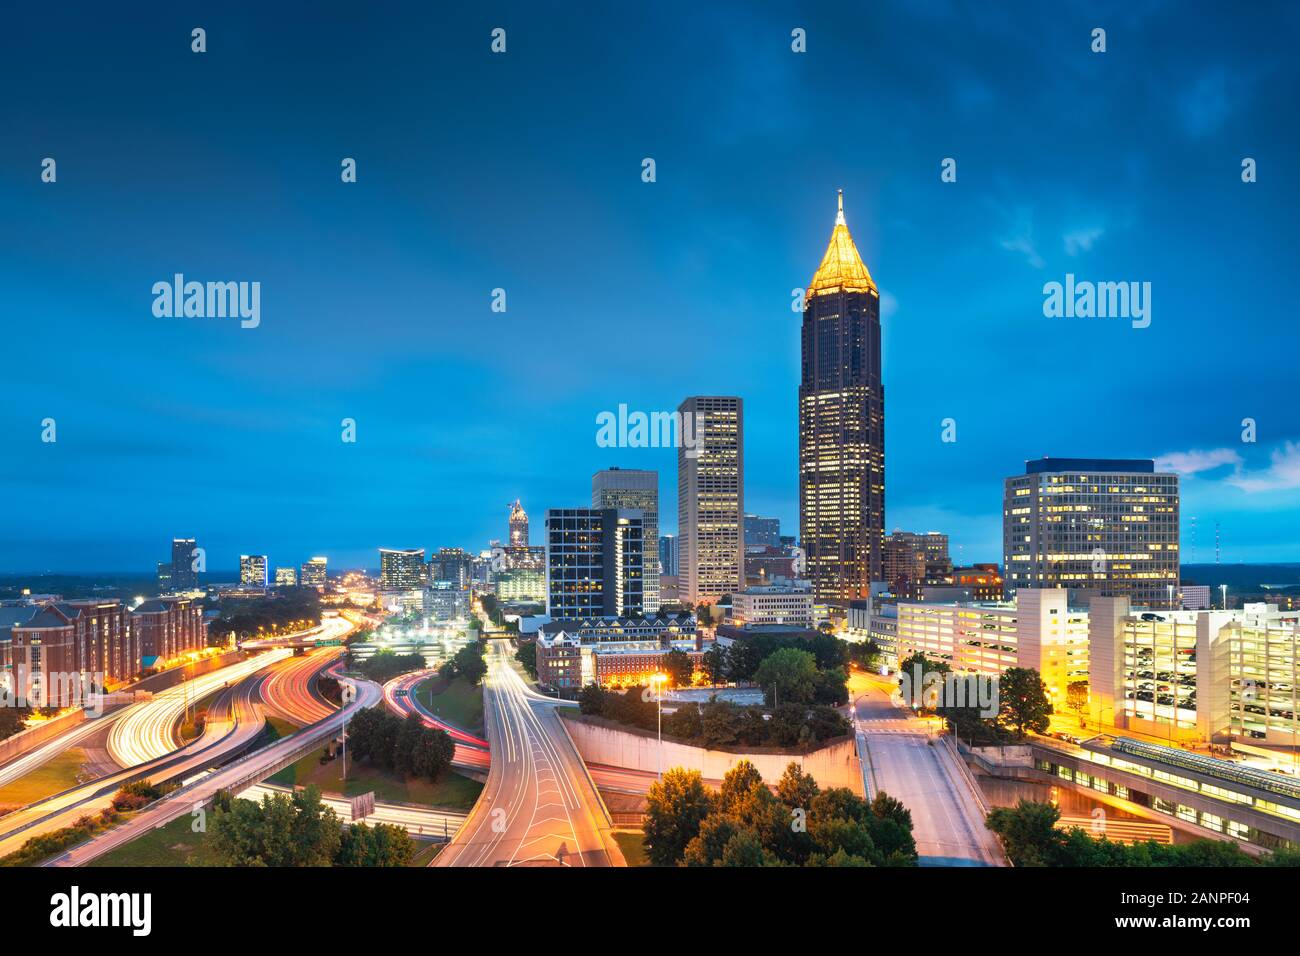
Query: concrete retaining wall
pixel 835 765
pixel 32 738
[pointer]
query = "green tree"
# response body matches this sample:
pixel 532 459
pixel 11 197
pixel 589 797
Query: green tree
pixel 1022 701
pixel 678 667
pixel 381 845
pixel 1076 698
pixel 713 664
pixel 591 699
pixel 789 674
pixel 1028 832
pixel 675 807
pixel 527 656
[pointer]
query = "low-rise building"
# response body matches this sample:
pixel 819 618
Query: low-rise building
pixel 774 604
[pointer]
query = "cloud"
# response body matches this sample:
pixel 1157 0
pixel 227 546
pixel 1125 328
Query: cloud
pixel 1081 240
pixel 1024 243
pixel 1193 462
pixel 1283 472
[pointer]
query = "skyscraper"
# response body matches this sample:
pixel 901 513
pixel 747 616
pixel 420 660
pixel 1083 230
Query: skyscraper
pixel 841 425
pixel 595 563
pixel 668 555
pixel 1099 527
pixel 401 569
pixel 314 573
pixel 184 575
pixel 762 532
pixel 518 525
pixel 252 570
pixel 631 488
pixel 711 498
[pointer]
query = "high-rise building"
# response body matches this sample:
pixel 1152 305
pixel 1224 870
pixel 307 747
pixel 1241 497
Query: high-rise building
pixel 286 577
pixel 668 555
pixel 164 576
pixel 453 565
pixel 518 525
pixel 711 498
pixel 401 569
pixel 762 532
pixel 841 425
pixel 595 563
pixel 1099 527
pixel 185 576
pixel 910 559
pixel 314 573
pixel 252 570
pixel 637 490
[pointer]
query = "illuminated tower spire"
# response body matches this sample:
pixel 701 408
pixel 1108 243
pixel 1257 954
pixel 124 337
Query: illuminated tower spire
pixel 841 424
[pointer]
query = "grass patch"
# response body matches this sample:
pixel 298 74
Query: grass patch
pixel 632 844
pixel 169 845
pixel 277 728
pixel 457 701
pixel 425 853
pixel 452 791
pixel 61 773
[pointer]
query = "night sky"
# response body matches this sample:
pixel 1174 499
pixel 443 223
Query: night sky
pixel 522 171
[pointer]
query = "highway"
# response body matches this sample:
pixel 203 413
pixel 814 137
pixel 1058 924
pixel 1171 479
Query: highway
pixel 905 760
pixel 539 807
pixel 148 731
pixel 471 751
pixel 234 777
pixel 288 690
pixel 235 720
pixel 34 759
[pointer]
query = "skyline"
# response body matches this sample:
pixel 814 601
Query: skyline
pixel 174 427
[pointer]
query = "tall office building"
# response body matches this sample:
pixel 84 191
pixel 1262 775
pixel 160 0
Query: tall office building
pixel 286 577
pixel 762 532
pixel 841 425
pixel 184 576
pixel 633 489
pixel 401 569
pixel 910 559
pixel 252 570
pixel 518 525
pixel 314 573
pixel 1099 527
pixel 595 563
pixel 454 565
pixel 711 498
pixel 668 555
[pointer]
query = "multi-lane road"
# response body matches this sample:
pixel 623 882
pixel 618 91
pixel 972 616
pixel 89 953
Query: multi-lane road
pixel 903 757
pixel 472 752
pixel 539 807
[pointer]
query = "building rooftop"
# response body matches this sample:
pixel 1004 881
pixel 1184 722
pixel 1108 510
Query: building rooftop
pixel 1049 466
pixel 842 269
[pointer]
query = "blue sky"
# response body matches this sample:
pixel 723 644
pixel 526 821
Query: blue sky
pixel 522 171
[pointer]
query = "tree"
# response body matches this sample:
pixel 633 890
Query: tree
pixel 591 699
pixel 675 807
pixel 467 662
pixel 1028 832
pixel 679 668
pixel 1076 698
pixel 11 721
pixel 790 674
pixel 1022 701
pixel 713 665
pixel 283 830
pixel 384 844
pixel 914 677
pixel 527 656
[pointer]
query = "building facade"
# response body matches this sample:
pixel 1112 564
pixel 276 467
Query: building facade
pixel 185 563
pixel 634 490
pixel 762 532
pixel 841 424
pixel 165 628
pixel 668 555
pixel 518 525
pixel 1100 527
pixel 773 604
pixel 314 573
pixel 711 499
pixel 595 562
pixel 401 569
pixel 252 570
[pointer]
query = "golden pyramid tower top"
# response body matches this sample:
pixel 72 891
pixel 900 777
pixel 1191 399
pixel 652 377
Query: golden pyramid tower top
pixel 842 269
